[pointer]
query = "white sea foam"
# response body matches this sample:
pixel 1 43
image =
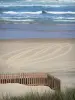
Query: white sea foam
pixel 63 12
pixel 62 20
pixel 13 12
pixel 42 5
pixel 10 12
pixel 25 20
pixel 56 5
pixel 39 12
pixel 71 18
pixel 23 17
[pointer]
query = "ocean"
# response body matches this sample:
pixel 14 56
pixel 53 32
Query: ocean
pixel 44 18
pixel 31 11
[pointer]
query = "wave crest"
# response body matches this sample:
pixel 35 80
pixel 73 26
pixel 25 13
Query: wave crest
pixel 33 5
pixel 39 12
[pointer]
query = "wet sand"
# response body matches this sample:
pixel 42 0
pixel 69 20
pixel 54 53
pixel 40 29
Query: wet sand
pixel 23 31
pixel 55 56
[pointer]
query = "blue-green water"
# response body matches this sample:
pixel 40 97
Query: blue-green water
pixel 30 11
pixel 25 19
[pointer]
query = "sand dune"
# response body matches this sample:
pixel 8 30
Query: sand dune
pixel 56 56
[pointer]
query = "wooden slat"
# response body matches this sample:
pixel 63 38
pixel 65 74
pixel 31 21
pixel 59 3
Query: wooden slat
pixel 30 79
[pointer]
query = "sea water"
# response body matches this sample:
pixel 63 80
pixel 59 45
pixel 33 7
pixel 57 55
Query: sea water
pixel 37 18
pixel 30 11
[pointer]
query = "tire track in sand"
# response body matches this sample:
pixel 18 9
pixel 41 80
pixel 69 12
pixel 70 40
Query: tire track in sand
pixel 32 58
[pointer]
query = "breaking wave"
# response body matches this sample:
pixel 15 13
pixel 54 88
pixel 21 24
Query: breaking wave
pixel 23 5
pixel 66 20
pixel 39 12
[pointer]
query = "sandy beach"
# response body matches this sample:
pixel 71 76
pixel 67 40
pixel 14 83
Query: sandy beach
pixel 55 56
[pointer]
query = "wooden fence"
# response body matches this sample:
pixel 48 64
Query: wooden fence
pixel 31 79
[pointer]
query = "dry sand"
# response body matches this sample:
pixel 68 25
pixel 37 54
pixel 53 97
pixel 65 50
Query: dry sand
pixel 55 56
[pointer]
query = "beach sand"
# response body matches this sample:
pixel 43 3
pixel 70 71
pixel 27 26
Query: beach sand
pixel 55 56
